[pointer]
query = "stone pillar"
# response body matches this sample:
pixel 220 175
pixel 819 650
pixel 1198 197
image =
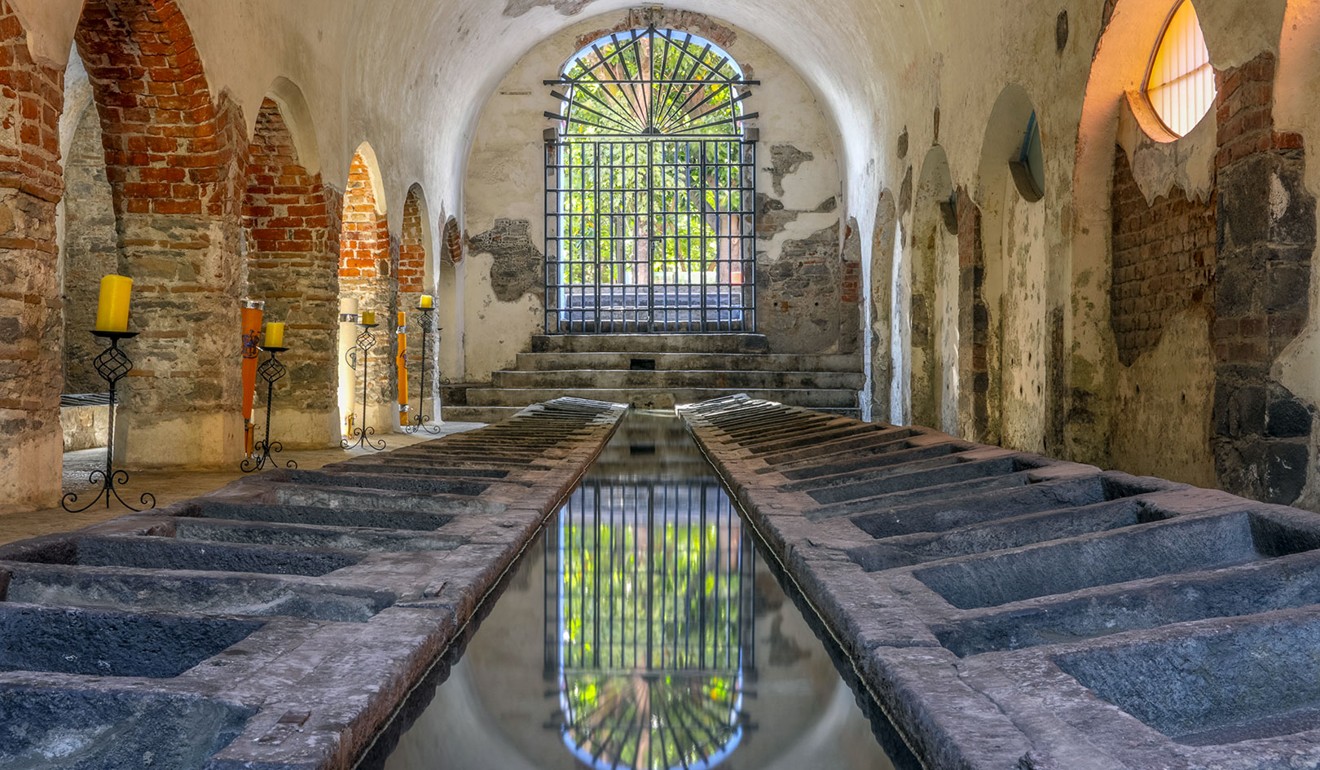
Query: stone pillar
pixel 31 98
pixel 175 160
pixel 292 267
pixel 1266 233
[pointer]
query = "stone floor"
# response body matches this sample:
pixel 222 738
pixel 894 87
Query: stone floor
pixel 280 620
pixel 171 486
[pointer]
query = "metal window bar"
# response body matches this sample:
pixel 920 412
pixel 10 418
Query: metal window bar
pixel 650 236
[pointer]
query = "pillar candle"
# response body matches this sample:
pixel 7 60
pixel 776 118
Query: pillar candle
pixel 368 318
pixel 275 334
pixel 348 306
pixel 112 307
pixel 427 303
pixel 402 319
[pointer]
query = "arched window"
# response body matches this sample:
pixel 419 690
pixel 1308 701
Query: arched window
pixel 1181 85
pixel 650 189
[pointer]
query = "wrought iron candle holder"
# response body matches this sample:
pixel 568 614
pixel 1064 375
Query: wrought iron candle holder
pixel 362 433
pixel 272 371
pixel 420 421
pixel 112 364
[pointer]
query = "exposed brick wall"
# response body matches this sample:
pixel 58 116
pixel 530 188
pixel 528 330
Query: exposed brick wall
pixel 1266 235
pixel 1164 260
pixel 365 261
pixel 175 161
pixel 412 254
pixel 453 239
pixel 30 185
pixel 973 321
pixel 292 261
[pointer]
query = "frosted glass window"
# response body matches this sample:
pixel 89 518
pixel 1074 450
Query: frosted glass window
pixel 1181 86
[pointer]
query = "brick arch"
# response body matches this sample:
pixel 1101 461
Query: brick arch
pixel 415 279
pixel 366 273
pixel 292 266
pixel 31 184
pixel 165 137
pixel 449 299
pixel 175 159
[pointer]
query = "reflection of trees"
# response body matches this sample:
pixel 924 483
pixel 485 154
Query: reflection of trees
pixel 651 187
pixel 649 625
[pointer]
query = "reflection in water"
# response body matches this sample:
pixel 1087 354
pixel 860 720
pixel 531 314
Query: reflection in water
pixel 642 633
pixel 647 629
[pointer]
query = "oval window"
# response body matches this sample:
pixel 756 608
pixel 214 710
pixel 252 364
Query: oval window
pixel 1181 85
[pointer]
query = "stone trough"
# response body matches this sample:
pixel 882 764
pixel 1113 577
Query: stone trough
pixel 279 622
pixel 1012 611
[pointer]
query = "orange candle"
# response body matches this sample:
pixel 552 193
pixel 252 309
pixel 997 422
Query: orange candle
pixel 112 307
pixel 402 363
pixel 275 334
pixel 251 318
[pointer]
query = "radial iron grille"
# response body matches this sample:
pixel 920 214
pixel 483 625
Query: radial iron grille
pixel 652 82
pixel 650 190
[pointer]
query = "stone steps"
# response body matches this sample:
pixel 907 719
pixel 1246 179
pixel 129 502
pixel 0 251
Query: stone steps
pixel 659 398
pixel 623 379
pixel 777 362
pixel 650 343
pixel 659 371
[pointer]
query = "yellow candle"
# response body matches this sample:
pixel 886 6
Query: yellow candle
pixel 369 318
pixel 112 307
pixel 275 334
pixel 427 303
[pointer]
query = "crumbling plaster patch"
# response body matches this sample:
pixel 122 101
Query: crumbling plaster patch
pixel 515 260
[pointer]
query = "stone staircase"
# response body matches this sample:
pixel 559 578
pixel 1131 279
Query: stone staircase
pixel 659 371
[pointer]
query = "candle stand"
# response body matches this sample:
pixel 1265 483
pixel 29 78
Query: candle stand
pixel 113 365
pixel 272 371
pixel 362 433
pixel 419 422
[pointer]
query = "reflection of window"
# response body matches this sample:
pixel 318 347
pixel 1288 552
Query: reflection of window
pixel 649 633
pixel 1181 86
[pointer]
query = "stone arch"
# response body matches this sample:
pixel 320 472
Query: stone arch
pixel 1016 259
pixel 450 299
pixel 882 273
pixel 174 160
pixel 31 184
pixel 934 300
pixel 417 277
pixel 292 267
pixel 366 274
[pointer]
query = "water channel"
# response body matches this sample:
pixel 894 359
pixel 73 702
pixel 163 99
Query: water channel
pixel 643 630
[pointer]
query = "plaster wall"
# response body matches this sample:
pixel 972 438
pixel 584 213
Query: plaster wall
pixel 799 266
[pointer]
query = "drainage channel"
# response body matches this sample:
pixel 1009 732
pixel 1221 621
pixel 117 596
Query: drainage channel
pixel 1012 610
pixel 643 628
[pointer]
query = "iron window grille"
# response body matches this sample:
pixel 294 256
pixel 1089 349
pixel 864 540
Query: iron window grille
pixel 650 189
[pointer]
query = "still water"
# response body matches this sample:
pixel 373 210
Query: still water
pixel 642 631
